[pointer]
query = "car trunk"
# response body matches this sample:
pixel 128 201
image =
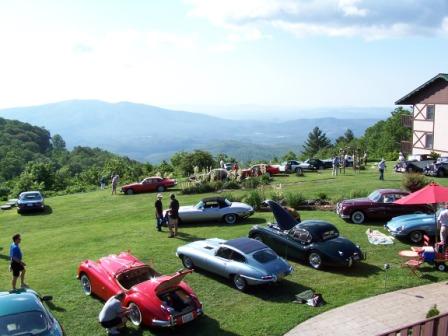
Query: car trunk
pixel 177 301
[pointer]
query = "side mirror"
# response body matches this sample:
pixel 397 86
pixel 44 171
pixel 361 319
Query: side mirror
pixel 47 298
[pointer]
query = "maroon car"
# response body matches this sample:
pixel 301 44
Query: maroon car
pixel 149 184
pixel 379 205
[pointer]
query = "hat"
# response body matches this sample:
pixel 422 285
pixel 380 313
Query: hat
pixel 159 196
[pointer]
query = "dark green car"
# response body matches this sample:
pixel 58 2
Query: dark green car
pixel 23 313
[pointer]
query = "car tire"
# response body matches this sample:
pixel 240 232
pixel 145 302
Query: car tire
pixel 187 262
pixel 135 316
pixel 239 282
pixel 416 237
pixel 160 188
pixel 315 260
pixel 299 171
pixel 130 192
pixel 230 218
pixel 441 267
pixel 358 217
pixel 320 167
pixel 86 284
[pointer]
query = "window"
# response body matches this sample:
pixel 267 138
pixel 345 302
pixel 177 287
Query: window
pixel 430 112
pixel 224 252
pixel 237 257
pixel 302 236
pixel 429 142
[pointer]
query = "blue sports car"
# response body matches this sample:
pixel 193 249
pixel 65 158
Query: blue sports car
pixel 22 312
pixel 412 227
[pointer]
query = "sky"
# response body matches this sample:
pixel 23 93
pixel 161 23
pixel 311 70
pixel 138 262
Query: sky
pixel 209 54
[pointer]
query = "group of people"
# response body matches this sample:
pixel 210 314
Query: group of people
pixel 171 218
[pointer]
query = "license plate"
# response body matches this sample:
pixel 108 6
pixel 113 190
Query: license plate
pixel 187 317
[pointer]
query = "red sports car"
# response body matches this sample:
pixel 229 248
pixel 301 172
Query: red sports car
pixel 157 300
pixel 149 184
pixel 260 169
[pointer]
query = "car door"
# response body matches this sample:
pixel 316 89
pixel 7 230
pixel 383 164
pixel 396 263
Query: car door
pixel 211 211
pixel 377 210
pixel 236 264
pixel 284 244
pixel 218 263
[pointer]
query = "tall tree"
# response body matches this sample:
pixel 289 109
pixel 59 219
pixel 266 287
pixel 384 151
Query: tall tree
pixel 317 140
pixel 348 135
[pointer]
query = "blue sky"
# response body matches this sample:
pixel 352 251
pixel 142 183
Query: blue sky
pixel 193 53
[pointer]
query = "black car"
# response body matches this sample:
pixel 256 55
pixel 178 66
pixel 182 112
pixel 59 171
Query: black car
pixel 318 242
pixel 315 164
pixel 30 201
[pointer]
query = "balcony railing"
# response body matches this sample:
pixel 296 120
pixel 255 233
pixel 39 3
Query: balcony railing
pixel 434 326
pixel 406 121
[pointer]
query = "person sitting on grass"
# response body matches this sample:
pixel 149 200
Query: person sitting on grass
pixel 17 265
pixel 113 316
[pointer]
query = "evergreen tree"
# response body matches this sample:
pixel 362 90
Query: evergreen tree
pixel 317 140
pixel 348 135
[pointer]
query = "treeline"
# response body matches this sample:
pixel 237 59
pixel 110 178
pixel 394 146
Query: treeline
pixel 382 140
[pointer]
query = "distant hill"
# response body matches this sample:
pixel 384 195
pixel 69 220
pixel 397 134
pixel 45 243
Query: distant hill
pixel 150 133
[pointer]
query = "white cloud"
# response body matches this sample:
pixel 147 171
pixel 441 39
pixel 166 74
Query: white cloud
pixel 369 19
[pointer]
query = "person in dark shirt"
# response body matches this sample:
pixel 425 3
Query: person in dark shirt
pixel 159 212
pixel 173 218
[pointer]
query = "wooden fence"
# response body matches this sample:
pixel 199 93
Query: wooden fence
pixel 434 326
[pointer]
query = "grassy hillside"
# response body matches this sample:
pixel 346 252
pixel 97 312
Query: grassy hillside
pixel 95 224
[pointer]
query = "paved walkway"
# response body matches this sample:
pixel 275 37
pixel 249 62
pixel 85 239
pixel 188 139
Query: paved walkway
pixel 377 314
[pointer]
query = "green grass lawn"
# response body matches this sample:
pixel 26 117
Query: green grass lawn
pixel 91 225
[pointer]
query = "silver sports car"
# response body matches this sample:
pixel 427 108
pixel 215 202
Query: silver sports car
pixel 215 209
pixel 245 261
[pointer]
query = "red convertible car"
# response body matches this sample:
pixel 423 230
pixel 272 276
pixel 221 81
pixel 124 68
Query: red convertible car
pixel 149 184
pixel 260 169
pixel 379 205
pixel 157 300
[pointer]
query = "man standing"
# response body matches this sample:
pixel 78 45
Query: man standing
pixel 115 183
pixel 159 212
pixel 173 218
pixel 442 219
pixel 113 315
pixel 17 265
pixel 335 165
pixel 381 167
pixel 102 182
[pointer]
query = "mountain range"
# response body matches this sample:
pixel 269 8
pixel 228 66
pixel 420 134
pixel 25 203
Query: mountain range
pixel 150 133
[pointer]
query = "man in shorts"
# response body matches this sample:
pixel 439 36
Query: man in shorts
pixel 17 265
pixel 173 218
pixel 113 315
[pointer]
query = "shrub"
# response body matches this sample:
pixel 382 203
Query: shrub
pixel 277 196
pixel 413 181
pixel 216 185
pixel 254 199
pixel 4 192
pixel 251 183
pixel 199 188
pixel 265 179
pixel 432 312
pixel 294 200
pixel 231 185
pixel 322 196
pixel 338 198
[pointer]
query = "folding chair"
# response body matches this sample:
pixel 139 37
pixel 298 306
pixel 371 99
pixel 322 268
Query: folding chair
pixel 414 265
pixel 426 241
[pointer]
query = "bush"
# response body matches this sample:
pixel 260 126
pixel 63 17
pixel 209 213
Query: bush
pixel 265 179
pixel 322 196
pixel 358 193
pixel 231 185
pixel 216 185
pixel 277 196
pixel 254 199
pixel 199 188
pixel 432 312
pixel 4 192
pixel 294 200
pixel 338 198
pixel 413 181
pixel 251 183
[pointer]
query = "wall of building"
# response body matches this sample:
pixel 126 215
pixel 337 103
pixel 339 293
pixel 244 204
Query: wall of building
pixel 441 129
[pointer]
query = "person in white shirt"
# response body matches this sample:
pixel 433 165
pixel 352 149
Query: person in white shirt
pixel 381 167
pixel 442 219
pixel 113 315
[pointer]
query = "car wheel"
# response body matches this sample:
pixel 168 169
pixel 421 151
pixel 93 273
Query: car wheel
pixel 416 237
pixel 357 217
pixel 135 315
pixel 299 171
pixel 187 262
pixel 230 218
pixel 85 284
pixel 129 192
pixel 161 189
pixel 441 267
pixel 239 282
pixel 315 260
pixel 321 167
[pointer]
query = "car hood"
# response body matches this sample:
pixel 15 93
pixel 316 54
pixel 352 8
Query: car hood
pixel 284 219
pixel 131 185
pixel 363 200
pixel 412 219
pixel 188 208
pixel 30 201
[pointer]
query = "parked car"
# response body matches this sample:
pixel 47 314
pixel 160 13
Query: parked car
pixel 149 184
pixel 314 164
pixel 215 209
pixel 247 262
pixel 292 166
pixel 156 300
pixel 412 227
pixel 23 312
pixel 260 169
pixel 30 201
pixel 318 242
pixel 379 205
pixel 228 166
pixel 439 168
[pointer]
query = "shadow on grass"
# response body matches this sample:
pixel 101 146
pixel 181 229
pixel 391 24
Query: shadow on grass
pixel 188 237
pixel 252 220
pixel 359 270
pixel 4 257
pixel 47 211
pixel 53 307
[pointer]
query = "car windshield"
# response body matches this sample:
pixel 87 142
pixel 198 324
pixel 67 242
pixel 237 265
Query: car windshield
pixel 375 196
pixel 227 202
pixel 31 197
pixel 200 205
pixel 135 276
pixel 330 234
pixel 26 323
pixel 265 256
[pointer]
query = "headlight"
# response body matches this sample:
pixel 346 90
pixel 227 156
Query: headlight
pixel 400 228
pixel 341 253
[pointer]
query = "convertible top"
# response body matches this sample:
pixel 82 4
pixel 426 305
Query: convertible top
pixel 246 245
pixel 214 199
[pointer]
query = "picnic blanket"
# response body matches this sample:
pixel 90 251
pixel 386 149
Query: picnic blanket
pixel 376 237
